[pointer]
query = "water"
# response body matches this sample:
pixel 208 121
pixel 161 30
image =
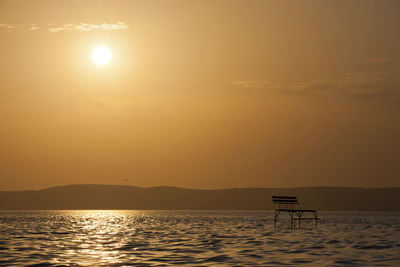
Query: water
pixel 196 238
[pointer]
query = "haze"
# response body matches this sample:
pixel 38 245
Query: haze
pixel 200 94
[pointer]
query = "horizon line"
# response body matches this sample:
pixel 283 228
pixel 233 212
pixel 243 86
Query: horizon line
pixel 203 189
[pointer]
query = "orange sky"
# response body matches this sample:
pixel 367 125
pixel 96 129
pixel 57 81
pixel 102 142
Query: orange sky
pixel 200 94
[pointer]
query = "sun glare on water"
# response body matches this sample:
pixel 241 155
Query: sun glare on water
pixel 101 55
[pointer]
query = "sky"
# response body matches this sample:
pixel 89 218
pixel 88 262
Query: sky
pixel 200 94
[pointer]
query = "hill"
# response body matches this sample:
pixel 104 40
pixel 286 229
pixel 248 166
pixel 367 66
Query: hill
pixel 173 198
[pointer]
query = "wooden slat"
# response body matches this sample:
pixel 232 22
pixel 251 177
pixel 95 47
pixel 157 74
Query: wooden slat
pixel 284 197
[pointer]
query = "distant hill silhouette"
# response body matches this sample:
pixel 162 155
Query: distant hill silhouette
pixel 173 198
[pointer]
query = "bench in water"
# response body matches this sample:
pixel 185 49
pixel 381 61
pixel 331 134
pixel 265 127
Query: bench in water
pixel 290 205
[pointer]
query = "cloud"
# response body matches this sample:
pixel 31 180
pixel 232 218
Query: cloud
pixel 81 27
pixel 85 27
pixel 375 60
pixel 33 27
pixel 252 84
pixel 352 84
pixel 5 26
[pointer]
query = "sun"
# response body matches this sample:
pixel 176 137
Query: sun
pixel 101 55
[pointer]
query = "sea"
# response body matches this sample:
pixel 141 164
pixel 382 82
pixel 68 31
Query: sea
pixel 196 238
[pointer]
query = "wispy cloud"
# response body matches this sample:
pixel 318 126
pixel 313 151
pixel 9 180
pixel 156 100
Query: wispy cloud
pixel 81 27
pixel 353 84
pixel 375 60
pixel 252 84
pixel 5 26
pixel 85 27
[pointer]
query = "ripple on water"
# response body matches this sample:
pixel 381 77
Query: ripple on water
pixel 169 238
pixel 219 258
pixel 373 247
pixel 348 261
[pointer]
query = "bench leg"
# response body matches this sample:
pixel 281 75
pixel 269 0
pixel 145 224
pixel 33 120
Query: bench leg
pixel 276 217
pixel 299 221
pixel 316 218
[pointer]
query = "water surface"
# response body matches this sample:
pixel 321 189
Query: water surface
pixel 196 238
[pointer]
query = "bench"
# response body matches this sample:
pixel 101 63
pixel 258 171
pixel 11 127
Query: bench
pixel 291 205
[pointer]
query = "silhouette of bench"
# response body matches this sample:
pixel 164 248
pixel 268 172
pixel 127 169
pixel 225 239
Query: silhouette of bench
pixel 291 205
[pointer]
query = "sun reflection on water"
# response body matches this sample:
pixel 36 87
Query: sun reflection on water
pixel 97 235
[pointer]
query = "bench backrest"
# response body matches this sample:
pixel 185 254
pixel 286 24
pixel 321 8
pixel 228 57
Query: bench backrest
pixel 285 202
